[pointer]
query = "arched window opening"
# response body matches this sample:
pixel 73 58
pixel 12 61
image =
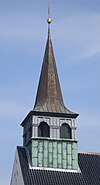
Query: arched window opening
pixel 65 131
pixel 43 130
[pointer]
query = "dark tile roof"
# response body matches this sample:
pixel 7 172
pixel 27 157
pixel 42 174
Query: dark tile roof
pixel 89 165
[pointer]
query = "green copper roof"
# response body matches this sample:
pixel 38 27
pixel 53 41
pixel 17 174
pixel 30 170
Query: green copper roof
pixel 53 153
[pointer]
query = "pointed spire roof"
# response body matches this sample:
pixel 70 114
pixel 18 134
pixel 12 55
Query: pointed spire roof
pixel 49 96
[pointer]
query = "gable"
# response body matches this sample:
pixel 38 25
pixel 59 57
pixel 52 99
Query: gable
pixel 16 178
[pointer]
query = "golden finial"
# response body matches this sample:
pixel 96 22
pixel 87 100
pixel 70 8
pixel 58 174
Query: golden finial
pixel 49 20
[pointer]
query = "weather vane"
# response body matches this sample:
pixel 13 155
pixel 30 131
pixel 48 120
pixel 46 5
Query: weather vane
pixel 49 20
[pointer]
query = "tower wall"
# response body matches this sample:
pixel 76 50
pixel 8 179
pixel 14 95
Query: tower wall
pixel 53 151
pixel 54 123
pixel 50 153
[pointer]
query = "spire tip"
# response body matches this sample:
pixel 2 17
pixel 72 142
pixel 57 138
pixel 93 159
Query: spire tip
pixel 49 20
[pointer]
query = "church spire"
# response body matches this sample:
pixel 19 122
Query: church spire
pixel 49 95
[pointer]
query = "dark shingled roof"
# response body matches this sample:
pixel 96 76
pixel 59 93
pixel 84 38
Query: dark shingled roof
pixel 49 96
pixel 89 165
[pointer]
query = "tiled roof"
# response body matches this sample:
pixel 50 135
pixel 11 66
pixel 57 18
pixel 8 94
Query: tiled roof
pixel 89 165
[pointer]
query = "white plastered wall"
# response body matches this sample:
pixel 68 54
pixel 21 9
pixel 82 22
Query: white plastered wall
pixel 55 124
pixel 16 178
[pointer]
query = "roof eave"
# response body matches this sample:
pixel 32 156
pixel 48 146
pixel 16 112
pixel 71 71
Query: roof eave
pixel 51 114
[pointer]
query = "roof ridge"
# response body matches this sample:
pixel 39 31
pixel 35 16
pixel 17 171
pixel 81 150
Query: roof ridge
pixel 89 153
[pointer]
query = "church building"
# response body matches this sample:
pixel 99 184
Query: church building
pixel 49 155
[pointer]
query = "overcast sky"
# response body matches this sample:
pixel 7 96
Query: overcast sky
pixel 75 33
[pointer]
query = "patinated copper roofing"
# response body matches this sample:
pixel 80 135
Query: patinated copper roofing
pixel 49 96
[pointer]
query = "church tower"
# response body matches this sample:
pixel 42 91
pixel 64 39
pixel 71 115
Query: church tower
pixel 49 154
pixel 49 130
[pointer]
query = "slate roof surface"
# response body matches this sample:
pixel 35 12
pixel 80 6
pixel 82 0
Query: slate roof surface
pixel 89 165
